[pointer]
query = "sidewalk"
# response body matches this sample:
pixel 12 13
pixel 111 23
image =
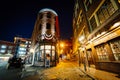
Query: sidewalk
pixel 99 74
pixel 58 72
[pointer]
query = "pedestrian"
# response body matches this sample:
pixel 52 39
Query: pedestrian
pixel 60 56
pixel 47 60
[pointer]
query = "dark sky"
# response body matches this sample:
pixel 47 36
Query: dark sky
pixel 18 17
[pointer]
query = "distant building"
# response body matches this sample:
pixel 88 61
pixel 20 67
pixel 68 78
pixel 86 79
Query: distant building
pixel 22 46
pixel 7 49
pixel 96 27
pixel 45 37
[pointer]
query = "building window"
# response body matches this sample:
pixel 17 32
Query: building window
pixel 48 15
pixel 10 47
pixel 115 46
pixel 105 11
pixel 9 51
pixel 41 16
pixel 80 18
pixel 48 26
pixel 93 23
pixel 2 51
pixel 102 52
pixel 88 3
pixel 3 46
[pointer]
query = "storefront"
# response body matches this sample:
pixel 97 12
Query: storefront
pixel 42 52
pixel 106 50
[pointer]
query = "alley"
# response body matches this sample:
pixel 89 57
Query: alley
pixel 65 70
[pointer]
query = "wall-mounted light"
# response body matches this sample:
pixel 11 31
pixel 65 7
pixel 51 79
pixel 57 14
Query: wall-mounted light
pixel 81 38
pixel 119 1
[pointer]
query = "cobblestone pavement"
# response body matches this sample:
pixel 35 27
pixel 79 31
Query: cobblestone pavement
pixel 63 71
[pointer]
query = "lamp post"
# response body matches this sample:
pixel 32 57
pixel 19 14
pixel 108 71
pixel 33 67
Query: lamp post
pixel 83 49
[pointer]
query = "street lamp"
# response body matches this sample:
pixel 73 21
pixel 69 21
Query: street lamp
pixel 83 49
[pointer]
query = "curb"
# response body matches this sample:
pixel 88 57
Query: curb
pixel 91 76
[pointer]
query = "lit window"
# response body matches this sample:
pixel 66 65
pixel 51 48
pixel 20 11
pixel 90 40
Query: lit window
pixel 3 46
pixel 26 42
pixel 53 47
pixel 42 47
pixel 21 52
pixel 30 42
pixel 2 51
pixel 47 47
pixel 22 49
pixel 47 51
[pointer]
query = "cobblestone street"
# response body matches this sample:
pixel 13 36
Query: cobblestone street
pixel 65 70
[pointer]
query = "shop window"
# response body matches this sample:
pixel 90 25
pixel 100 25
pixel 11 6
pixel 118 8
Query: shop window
pixel 102 52
pixel 89 55
pixel 115 46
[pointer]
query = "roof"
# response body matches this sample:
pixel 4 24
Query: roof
pixel 48 9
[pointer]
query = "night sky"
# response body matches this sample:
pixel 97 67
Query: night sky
pixel 17 18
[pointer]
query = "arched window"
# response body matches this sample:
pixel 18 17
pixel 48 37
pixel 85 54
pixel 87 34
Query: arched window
pixel 48 15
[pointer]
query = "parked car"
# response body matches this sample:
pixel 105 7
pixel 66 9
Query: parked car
pixel 15 62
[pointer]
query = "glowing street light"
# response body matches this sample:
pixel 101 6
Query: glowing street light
pixel 61 44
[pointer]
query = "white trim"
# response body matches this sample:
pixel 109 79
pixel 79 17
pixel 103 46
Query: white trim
pixel 47 9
